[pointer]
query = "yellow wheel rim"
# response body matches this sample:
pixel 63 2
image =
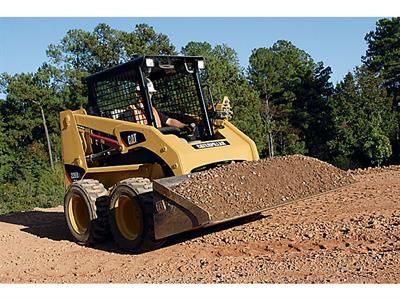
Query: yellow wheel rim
pixel 78 214
pixel 127 217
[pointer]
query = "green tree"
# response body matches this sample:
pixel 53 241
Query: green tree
pixel 382 58
pixel 106 47
pixel 296 89
pixel 225 78
pixel 383 52
pixel 26 92
pixel 312 115
pixel 33 183
pixel 363 121
pixel 24 161
pixel 377 148
pixel 344 114
pixel 5 154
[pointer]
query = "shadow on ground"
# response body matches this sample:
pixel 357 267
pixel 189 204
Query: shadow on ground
pixel 51 225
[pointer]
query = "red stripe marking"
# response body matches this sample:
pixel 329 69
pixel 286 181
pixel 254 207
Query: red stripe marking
pixel 105 140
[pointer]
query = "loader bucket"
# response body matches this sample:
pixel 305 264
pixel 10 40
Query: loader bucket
pixel 173 213
pixel 207 198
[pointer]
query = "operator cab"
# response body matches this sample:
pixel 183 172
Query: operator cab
pixel 122 92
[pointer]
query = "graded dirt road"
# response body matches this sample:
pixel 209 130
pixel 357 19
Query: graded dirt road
pixel 351 236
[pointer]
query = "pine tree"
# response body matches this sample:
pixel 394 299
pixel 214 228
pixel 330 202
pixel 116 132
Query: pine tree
pixel 296 89
pixel 363 121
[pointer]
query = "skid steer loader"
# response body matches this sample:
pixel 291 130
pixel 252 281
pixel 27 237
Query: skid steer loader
pixel 121 164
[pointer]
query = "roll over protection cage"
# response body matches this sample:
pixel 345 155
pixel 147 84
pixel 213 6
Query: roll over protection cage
pixel 177 80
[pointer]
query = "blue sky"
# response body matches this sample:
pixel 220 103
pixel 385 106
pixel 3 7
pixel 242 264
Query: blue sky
pixel 338 42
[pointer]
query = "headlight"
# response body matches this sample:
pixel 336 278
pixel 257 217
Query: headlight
pixel 149 62
pixel 200 64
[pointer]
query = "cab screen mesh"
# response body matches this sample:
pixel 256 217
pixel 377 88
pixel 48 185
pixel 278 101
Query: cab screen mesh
pixel 116 98
pixel 176 96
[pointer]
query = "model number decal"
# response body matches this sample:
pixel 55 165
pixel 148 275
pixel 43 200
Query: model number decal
pixel 211 145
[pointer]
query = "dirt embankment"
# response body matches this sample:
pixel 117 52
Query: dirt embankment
pixel 350 235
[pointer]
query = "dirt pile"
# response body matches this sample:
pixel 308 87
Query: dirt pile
pixel 242 188
pixel 376 170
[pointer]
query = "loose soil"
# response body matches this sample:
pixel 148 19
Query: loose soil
pixel 241 188
pixel 350 235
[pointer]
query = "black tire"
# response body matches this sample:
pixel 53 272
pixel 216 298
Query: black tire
pixel 86 205
pixel 131 215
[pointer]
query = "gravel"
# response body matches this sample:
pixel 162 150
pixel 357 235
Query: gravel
pixel 246 187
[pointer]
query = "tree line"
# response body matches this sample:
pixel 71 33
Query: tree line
pixel 285 101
